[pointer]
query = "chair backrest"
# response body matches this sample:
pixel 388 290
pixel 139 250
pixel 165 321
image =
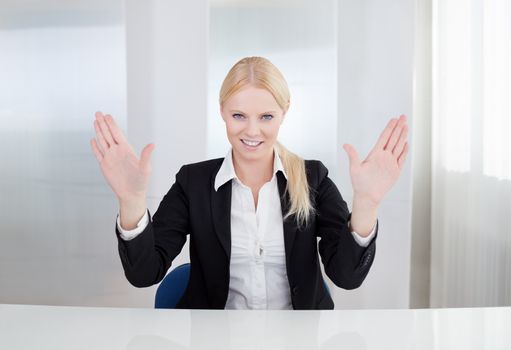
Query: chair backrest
pixel 327 288
pixel 172 287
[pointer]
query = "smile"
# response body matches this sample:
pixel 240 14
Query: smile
pixel 251 143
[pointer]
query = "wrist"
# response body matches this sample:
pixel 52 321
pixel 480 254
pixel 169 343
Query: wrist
pixel 130 214
pixel 132 200
pixel 366 202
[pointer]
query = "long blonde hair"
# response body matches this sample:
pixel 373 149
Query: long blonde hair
pixel 260 72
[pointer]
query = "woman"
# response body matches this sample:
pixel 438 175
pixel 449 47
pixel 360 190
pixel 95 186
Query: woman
pixel 254 216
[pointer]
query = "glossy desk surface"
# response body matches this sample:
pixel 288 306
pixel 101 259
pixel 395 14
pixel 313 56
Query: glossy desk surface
pixel 56 327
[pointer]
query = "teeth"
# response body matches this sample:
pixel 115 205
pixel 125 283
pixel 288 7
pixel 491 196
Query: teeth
pixel 251 143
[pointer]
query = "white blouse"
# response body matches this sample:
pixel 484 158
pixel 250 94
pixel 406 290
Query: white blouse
pixel 258 278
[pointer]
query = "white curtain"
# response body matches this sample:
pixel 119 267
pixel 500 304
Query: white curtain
pixel 471 155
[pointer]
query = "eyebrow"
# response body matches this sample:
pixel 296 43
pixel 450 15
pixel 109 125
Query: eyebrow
pixel 241 112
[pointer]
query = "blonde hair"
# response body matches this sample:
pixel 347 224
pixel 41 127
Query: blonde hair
pixel 261 73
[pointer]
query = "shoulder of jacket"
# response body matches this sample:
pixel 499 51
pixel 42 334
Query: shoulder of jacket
pixel 197 172
pixel 204 165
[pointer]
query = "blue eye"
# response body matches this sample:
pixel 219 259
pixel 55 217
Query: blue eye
pixel 241 116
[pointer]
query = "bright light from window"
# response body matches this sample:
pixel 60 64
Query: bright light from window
pixel 452 81
pixel 497 89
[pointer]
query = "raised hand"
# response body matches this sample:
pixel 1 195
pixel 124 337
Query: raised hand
pixel 127 175
pixel 374 177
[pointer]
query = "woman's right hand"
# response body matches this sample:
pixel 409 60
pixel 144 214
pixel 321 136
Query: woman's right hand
pixel 127 175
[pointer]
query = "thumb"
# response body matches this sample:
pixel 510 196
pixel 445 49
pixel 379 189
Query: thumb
pixel 352 154
pixel 145 156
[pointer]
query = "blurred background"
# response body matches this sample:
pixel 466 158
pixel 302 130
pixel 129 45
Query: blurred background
pixel 157 67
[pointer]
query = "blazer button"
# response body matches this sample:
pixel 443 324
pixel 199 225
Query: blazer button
pixel 294 290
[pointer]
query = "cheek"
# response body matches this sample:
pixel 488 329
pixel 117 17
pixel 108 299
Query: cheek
pixel 271 130
pixel 233 128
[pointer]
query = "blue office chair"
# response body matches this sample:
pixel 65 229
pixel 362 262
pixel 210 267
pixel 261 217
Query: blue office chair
pixel 172 287
pixel 327 288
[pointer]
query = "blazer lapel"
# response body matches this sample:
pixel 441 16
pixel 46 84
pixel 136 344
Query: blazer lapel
pixel 221 211
pixel 290 223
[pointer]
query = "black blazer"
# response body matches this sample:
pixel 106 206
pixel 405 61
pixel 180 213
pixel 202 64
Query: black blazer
pixel 193 207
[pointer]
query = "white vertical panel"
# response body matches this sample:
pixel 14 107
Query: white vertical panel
pixel 376 45
pixel 167 52
pixel 58 66
pixel 421 160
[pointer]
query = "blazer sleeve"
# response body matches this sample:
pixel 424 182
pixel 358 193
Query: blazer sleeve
pixel 346 263
pixel 147 257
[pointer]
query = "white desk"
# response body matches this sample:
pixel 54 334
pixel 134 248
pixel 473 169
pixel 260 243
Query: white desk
pixel 52 327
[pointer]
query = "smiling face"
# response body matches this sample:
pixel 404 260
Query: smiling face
pixel 252 118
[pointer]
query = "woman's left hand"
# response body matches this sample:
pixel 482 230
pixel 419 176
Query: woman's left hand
pixel 374 177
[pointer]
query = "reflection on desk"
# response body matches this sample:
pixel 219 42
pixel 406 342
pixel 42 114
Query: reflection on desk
pixel 57 327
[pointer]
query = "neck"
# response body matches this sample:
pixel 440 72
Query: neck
pixel 253 172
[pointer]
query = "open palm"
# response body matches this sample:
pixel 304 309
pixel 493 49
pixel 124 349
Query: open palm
pixel 127 175
pixel 373 177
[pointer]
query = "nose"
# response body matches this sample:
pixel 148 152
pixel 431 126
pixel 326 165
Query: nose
pixel 252 130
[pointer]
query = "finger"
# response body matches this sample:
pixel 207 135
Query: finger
pixel 352 154
pixel 402 141
pixel 104 130
pixel 114 129
pixel 402 156
pixel 395 134
pixel 102 142
pixel 145 157
pixel 96 150
pixel 384 137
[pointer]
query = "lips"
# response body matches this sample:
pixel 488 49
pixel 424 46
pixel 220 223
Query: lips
pixel 251 143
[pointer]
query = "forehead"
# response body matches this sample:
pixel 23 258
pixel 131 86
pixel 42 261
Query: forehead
pixel 251 98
